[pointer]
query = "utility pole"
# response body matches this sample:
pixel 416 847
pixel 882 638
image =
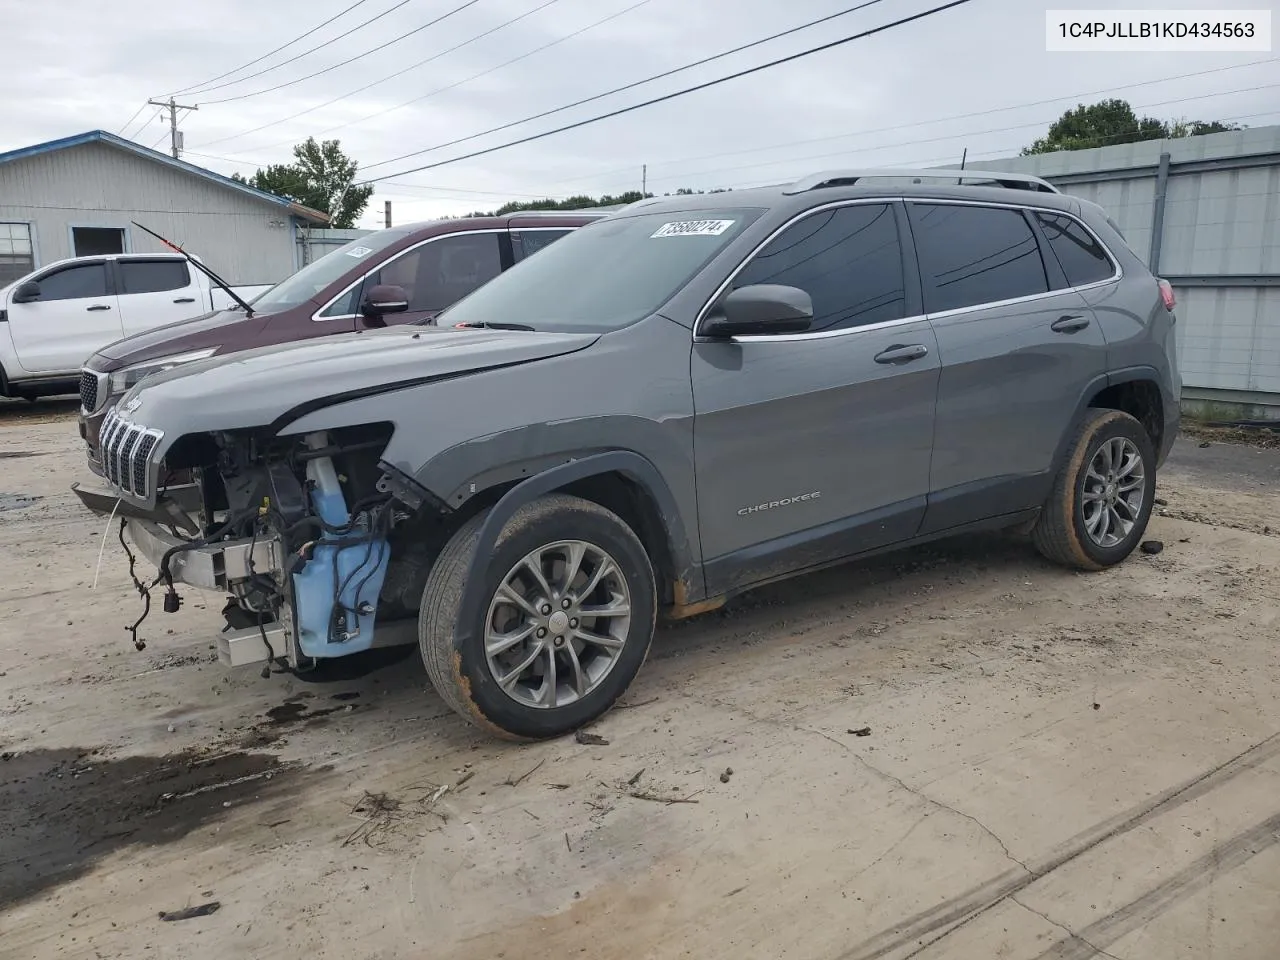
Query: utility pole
pixel 386 214
pixel 175 135
pixel 644 180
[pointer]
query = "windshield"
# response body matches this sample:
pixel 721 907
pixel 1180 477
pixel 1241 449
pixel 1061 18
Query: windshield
pixel 315 277
pixel 605 275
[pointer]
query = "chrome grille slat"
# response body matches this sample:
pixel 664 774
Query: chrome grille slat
pixel 126 454
pixel 125 467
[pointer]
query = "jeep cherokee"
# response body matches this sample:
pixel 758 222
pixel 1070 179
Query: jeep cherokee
pixel 684 400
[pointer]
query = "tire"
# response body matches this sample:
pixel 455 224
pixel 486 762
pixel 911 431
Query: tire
pixel 457 661
pixel 1070 530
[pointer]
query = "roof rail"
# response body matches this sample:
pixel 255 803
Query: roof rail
pixel 847 178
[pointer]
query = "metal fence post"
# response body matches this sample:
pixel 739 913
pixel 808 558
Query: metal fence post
pixel 1157 214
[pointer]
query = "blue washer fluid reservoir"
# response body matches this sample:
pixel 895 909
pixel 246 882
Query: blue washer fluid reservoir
pixel 355 571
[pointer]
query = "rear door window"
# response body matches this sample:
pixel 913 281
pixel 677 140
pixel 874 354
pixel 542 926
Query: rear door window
pixel 153 276
pixel 971 255
pixel 1079 252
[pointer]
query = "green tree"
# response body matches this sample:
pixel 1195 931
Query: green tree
pixel 583 202
pixel 321 177
pixel 1109 122
pixel 1198 128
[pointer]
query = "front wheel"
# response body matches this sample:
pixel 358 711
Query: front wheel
pixel 1103 495
pixel 567 620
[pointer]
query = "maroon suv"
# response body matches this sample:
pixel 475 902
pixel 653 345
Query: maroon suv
pixel 402 275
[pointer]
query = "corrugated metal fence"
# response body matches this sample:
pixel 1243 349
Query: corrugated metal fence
pixel 1205 213
pixel 314 244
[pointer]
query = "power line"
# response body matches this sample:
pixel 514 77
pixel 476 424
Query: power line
pixel 665 97
pixel 243 66
pixel 129 122
pixel 284 63
pixel 459 83
pixel 379 48
pixel 921 123
pixel 392 76
pixel 908 166
pixel 950 136
pixel 638 83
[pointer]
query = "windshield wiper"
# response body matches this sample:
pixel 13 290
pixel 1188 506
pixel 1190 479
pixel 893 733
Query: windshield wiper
pixel 490 325
pixel 248 310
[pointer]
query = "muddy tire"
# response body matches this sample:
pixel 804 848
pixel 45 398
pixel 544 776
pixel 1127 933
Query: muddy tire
pixel 567 618
pixel 1103 494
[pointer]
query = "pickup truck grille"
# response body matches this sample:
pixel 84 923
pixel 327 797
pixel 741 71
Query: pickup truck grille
pixel 88 391
pixel 126 454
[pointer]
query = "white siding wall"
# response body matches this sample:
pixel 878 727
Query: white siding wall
pixel 244 239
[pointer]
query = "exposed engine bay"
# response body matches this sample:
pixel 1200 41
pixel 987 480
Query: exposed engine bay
pixel 315 547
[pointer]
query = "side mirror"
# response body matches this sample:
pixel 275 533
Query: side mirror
pixel 27 292
pixel 761 309
pixel 384 299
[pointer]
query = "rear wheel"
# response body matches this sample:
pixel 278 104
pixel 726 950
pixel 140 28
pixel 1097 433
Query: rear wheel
pixel 567 619
pixel 1103 495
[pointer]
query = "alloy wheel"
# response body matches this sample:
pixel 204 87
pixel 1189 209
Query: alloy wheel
pixel 557 623
pixel 1114 487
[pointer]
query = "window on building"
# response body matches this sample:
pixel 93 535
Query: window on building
pixel 1081 255
pixel 848 260
pixel 17 256
pixel 153 276
pixel 97 241
pixel 973 255
pixel 74 283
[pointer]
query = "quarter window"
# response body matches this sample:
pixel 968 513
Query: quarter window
pixel 75 283
pixel 849 261
pixel 1081 255
pixel 525 243
pixel 972 255
pixel 16 256
pixel 153 276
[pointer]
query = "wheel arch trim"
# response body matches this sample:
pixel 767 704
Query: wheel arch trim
pixel 630 465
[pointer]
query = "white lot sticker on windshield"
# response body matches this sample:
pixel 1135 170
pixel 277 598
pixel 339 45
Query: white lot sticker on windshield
pixel 359 252
pixel 693 228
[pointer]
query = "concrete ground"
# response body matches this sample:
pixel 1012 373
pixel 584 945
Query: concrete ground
pixel 956 752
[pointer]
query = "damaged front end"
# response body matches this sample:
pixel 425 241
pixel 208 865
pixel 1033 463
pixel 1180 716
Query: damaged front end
pixel 321 550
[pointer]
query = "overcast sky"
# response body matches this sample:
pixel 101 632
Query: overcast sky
pixel 899 97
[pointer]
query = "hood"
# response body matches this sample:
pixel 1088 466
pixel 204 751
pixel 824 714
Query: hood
pixel 270 386
pixel 229 327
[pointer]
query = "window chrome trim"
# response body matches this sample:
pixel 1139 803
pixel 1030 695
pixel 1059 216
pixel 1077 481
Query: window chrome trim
pixel 316 318
pixel 820 334
pixel 943 314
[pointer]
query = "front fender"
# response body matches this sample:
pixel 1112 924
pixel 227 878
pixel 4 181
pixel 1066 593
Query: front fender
pixel 624 462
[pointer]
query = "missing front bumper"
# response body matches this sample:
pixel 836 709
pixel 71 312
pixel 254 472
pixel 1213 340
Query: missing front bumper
pixel 214 566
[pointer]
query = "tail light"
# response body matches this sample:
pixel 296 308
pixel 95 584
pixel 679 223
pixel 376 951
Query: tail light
pixel 1166 294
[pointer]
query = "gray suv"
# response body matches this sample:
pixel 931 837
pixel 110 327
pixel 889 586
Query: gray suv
pixel 682 401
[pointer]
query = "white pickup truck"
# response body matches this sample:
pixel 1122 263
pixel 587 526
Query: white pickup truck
pixel 54 318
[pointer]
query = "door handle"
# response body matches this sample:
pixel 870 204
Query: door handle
pixel 899 353
pixel 1069 324
pixel 185 300
pixel 98 306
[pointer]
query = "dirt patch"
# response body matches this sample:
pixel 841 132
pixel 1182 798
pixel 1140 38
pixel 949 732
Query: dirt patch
pixel 17 501
pixel 1265 437
pixel 62 810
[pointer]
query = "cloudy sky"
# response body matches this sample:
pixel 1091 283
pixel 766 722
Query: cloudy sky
pixel 915 95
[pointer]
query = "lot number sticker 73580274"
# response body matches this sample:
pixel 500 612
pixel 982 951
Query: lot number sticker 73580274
pixel 693 228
